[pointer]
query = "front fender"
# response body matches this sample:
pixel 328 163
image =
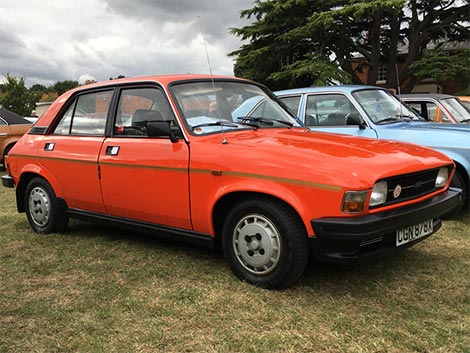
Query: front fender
pixel 307 202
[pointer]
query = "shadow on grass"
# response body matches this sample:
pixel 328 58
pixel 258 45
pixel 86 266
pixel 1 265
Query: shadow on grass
pixel 138 239
pixel 330 279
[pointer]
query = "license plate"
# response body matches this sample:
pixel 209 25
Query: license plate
pixel 414 232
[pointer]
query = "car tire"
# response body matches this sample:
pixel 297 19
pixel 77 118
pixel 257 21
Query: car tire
pixel 7 149
pixel 44 211
pixel 265 243
pixel 459 182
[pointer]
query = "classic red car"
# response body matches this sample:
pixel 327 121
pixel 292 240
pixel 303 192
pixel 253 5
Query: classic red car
pixel 180 156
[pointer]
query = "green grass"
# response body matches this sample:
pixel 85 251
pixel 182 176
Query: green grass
pixel 98 289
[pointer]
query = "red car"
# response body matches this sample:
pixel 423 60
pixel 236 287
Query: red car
pixel 196 158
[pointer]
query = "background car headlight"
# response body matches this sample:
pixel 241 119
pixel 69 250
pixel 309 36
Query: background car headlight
pixel 379 193
pixel 442 177
pixel 353 201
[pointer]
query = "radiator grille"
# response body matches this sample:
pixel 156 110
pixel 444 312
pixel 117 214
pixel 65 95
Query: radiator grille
pixel 412 186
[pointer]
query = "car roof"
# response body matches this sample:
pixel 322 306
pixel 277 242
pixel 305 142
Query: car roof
pixel 163 79
pixel 436 96
pixel 338 88
pixel 12 118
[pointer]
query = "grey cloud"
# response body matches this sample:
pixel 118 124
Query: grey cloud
pixel 106 38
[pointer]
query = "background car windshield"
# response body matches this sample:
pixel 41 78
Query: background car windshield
pixel 457 110
pixel 213 106
pixel 381 106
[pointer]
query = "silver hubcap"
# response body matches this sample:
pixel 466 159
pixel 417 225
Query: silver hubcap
pixel 257 244
pixel 39 206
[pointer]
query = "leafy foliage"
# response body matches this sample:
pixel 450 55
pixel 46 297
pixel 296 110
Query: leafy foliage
pixel 442 66
pixel 63 86
pixel 15 97
pixel 302 42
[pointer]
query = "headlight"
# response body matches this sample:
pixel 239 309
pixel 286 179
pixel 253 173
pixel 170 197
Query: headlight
pixel 353 201
pixel 379 193
pixel 442 177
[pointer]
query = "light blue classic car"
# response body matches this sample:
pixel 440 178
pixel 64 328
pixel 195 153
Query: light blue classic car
pixel 374 112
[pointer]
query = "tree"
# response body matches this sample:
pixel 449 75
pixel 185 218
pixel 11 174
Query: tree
pixel 305 42
pixel 441 65
pixel 60 87
pixel 15 97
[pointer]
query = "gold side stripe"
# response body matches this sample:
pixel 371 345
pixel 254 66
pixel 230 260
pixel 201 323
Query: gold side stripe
pixel 136 166
pixel 287 181
pixel 303 183
pixel 80 161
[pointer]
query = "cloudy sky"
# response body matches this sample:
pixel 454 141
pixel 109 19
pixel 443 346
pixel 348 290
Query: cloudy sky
pixel 55 40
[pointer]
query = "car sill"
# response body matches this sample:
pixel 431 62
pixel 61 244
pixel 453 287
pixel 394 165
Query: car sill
pixel 144 227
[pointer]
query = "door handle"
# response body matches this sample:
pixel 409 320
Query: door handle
pixel 49 146
pixel 112 150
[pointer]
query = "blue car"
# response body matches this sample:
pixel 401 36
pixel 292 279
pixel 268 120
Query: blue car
pixel 375 112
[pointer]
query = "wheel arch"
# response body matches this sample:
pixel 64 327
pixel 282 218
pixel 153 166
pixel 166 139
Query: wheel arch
pixel 25 178
pixel 6 150
pixel 465 175
pixel 225 203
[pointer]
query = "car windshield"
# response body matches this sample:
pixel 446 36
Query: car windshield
pixel 382 107
pixel 466 105
pixel 209 107
pixel 457 110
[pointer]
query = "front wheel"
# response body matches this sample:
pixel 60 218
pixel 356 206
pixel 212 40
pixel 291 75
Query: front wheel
pixel 45 213
pixel 459 182
pixel 265 243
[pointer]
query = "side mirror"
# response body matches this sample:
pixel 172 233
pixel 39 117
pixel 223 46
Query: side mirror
pixel 354 119
pixel 161 129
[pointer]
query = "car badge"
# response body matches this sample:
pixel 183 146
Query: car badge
pixel 397 191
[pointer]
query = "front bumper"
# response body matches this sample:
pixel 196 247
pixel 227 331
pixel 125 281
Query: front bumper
pixel 350 239
pixel 7 181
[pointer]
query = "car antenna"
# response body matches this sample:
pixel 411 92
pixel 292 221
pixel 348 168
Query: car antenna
pixel 224 141
pixel 399 91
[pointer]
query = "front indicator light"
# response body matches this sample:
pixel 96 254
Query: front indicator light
pixel 353 201
pixel 379 193
pixel 442 177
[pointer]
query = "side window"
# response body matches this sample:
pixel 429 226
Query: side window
pixel 292 102
pixel 420 108
pixel 139 106
pixel 86 115
pixel 328 110
pixel 3 122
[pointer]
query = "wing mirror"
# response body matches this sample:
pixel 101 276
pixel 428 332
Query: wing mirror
pixel 354 119
pixel 161 129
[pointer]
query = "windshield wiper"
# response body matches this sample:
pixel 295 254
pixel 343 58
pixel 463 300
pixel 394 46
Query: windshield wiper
pixel 465 121
pixel 384 120
pixel 216 123
pixel 263 120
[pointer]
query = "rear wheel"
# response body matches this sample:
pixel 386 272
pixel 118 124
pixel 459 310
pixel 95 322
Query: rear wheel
pixel 7 149
pixel 45 213
pixel 265 243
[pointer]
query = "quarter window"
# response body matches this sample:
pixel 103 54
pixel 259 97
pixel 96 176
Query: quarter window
pixel 86 115
pixel 292 102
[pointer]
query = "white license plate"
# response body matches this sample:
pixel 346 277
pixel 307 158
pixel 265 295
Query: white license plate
pixel 414 232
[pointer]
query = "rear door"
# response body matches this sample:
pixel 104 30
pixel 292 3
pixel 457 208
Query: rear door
pixel 142 178
pixel 70 152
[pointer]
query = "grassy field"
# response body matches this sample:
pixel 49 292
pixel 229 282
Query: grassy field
pixel 97 289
